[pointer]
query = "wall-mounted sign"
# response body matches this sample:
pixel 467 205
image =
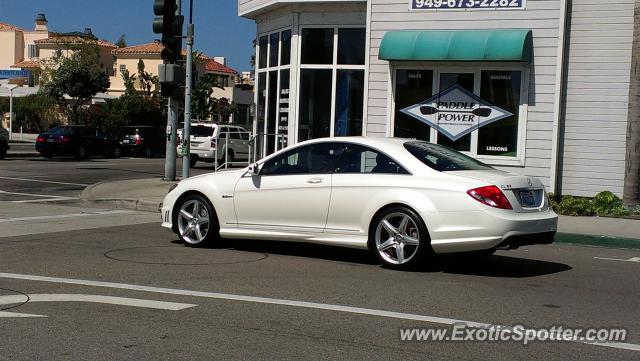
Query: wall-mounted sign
pixel 456 112
pixel 466 4
pixel 14 73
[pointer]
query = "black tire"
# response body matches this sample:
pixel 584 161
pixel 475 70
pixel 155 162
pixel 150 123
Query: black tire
pixel 204 236
pixel 81 153
pixel 193 159
pixel 3 151
pixel 47 155
pixel 414 253
pixel 230 156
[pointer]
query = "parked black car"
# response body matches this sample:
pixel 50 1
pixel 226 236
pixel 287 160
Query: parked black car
pixel 77 140
pixel 143 140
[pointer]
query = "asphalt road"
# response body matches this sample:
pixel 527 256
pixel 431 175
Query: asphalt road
pixel 80 282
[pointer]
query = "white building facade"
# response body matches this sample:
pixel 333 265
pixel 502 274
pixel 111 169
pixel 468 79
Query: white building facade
pixel 536 87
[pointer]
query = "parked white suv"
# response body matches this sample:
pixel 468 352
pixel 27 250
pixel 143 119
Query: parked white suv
pixel 4 142
pixel 230 141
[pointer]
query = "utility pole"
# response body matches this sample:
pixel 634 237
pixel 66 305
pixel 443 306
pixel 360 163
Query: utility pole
pixel 11 87
pixel 186 132
pixel 172 142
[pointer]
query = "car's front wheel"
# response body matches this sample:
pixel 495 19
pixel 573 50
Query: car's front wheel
pixel 197 223
pixel 399 238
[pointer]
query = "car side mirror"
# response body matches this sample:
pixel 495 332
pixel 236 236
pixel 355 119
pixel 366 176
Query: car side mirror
pixel 254 169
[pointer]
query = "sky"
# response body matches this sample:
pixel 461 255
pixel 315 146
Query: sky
pixel 218 29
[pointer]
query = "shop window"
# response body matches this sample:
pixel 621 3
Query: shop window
pixel 285 52
pixel 263 51
pixel 274 49
pixel 351 46
pixel 476 111
pixel 412 86
pixel 500 88
pixel 274 57
pixel 317 46
pixel 314 121
pixel 349 102
pixel 326 69
pixel 466 81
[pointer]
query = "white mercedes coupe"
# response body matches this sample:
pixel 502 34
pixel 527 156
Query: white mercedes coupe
pixel 402 199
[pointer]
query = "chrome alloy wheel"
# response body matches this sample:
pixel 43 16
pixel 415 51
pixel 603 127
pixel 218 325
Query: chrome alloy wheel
pixel 397 238
pixel 193 221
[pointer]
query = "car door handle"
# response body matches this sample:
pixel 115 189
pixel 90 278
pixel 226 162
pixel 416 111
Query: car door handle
pixel 315 180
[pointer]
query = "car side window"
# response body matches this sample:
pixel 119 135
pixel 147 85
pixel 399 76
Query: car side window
pixel 234 133
pixel 319 158
pixel 223 131
pixel 361 159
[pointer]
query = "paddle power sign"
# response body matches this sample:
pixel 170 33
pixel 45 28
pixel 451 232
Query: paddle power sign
pixel 456 112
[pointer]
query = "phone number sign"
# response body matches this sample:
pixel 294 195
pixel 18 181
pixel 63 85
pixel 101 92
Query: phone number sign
pixel 466 4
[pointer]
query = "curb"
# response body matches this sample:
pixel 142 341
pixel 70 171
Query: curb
pixel 122 203
pixel 25 154
pixel 598 241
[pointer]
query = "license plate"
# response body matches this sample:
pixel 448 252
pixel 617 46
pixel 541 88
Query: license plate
pixel 527 199
pixel 126 141
pixel 50 140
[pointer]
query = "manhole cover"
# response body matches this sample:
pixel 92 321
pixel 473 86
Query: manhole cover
pixel 182 256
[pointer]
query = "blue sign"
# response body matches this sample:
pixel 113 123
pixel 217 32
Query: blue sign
pixel 10 74
pixel 467 4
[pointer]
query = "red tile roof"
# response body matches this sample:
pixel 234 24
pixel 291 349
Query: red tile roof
pixel 215 67
pixel 27 64
pixel 150 48
pixel 9 27
pixel 74 40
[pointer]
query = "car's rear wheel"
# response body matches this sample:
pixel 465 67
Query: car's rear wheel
pixel 399 238
pixel 193 159
pixel 3 150
pixel 197 223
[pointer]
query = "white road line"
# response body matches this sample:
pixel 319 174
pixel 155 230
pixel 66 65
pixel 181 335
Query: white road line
pixel 43 200
pixel 31 194
pixel 632 259
pixel 44 181
pixel 122 301
pixel 283 302
pixel 4 314
pixel 71 215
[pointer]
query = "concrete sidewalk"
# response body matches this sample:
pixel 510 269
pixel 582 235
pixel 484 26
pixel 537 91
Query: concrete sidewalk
pixel 138 194
pixel 147 195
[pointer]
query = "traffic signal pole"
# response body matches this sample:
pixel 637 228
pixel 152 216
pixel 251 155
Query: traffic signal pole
pixel 172 127
pixel 186 133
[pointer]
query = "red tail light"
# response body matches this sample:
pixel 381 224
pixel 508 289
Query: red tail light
pixel 40 139
pixel 65 139
pixel 139 140
pixel 491 196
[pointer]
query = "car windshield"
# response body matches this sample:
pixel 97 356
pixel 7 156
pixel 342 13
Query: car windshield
pixel 443 159
pixel 201 131
pixel 61 130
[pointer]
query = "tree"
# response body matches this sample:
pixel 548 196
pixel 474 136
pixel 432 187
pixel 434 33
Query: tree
pixel 202 100
pixel 122 42
pixel 129 82
pixel 79 80
pixel 34 112
pixel 631 192
pixel 147 81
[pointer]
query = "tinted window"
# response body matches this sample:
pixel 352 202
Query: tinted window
pixel 351 46
pixel 244 135
pixel 360 159
pixel 311 159
pixel 317 46
pixel 61 130
pixel 442 158
pixel 201 131
pixel 234 134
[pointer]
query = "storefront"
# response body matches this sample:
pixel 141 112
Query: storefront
pixel 537 87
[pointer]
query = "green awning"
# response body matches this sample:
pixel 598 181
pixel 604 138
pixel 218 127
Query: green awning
pixel 457 45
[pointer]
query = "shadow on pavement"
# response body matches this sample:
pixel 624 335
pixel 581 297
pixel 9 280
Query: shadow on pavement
pixel 491 266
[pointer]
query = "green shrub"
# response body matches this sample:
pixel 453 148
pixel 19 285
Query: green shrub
pixel 553 201
pixel 606 203
pixel 575 206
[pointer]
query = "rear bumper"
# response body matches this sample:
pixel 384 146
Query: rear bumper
pixel 513 242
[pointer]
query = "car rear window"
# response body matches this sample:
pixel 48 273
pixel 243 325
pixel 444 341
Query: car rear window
pixel 61 130
pixel 441 158
pixel 201 131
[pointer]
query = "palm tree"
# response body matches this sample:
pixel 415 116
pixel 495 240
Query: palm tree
pixel 631 193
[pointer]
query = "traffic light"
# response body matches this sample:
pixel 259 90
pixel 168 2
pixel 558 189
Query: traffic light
pixel 169 24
